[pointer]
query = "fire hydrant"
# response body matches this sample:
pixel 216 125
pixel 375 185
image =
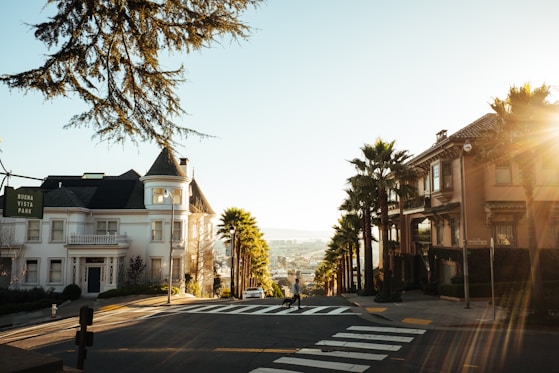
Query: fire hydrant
pixel 53 309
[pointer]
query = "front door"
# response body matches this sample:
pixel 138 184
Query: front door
pixel 93 279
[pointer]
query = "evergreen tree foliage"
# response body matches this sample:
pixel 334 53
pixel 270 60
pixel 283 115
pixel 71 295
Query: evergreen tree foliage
pixel 107 52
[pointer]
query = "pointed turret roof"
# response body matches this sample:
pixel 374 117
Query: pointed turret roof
pixel 165 165
pixel 198 202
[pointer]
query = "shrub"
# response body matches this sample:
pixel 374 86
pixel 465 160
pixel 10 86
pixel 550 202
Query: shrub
pixel 137 290
pixel 72 292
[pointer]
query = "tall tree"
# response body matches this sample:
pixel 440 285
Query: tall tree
pixel 525 129
pixel 363 196
pixel 109 56
pixel 382 163
pixel 352 207
pixel 248 243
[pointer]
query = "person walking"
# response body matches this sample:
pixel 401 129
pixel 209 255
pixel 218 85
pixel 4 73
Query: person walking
pixel 296 294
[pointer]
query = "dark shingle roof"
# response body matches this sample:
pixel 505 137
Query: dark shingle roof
pixel 165 165
pixel 197 201
pixel 110 192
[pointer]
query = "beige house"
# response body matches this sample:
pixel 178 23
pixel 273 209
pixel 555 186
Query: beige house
pixel 93 224
pixel 464 202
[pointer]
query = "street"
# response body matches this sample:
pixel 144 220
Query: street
pixel 327 334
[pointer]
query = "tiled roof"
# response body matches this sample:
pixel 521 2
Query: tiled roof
pixel 475 129
pixel 165 165
pixel 505 205
pixel 198 202
pixel 450 144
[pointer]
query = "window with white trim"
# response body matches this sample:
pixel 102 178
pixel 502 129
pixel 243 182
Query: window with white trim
pixel 177 230
pixel 158 196
pixel 441 176
pixel 55 271
pixel 155 269
pixel 33 230
pixel 57 230
pixel 176 269
pixel 103 227
pixel 32 271
pixel 157 230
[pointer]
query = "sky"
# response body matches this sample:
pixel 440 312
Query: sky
pixel 293 104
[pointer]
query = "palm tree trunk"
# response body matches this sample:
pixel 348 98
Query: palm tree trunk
pixel 368 248
pixel 386 283
pixel 358 260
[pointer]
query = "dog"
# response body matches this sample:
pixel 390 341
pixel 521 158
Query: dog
pixel 286 302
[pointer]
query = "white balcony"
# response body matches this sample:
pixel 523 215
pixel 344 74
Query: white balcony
pixel 98 240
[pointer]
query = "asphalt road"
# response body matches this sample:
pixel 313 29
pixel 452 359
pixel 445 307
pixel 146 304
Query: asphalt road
pixel 260 336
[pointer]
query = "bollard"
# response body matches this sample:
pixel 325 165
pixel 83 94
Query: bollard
pixel 53 309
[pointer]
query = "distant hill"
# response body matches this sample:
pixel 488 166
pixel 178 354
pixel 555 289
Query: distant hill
pixel 295 234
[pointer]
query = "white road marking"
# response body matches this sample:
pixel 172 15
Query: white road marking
pixel 343 354
pixel 382 329
pixel 362 345
pixel 375 337
pixel 323 364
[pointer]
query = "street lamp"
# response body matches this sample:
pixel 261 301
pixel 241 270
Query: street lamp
pixel 466 148
pixel 169 194
pixel 232 237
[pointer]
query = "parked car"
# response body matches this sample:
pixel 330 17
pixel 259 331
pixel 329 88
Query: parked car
pixel 254 292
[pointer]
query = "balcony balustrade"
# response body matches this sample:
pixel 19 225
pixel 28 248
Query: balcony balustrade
pixel 95 239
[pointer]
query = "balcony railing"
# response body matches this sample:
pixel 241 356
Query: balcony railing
pixel 95 239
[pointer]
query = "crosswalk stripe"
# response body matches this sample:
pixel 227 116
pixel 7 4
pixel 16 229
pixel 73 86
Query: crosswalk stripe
pixel 267 309
pixel 362 345
pixel 272 370
pixel 382 329
pixel 260 309
pixel 316 309
pixel 343 354
pixel 375 337
pixel 243 309
pixel 323 364
pixel 203 308
pixel 338 310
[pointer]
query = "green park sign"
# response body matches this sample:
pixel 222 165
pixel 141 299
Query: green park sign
pixel 23 203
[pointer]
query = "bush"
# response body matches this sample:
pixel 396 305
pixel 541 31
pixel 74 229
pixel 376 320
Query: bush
pixel 27 300
pixel 72 292
pixel 137 290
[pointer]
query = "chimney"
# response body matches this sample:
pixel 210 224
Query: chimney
pixel 441 135
pixel 184 165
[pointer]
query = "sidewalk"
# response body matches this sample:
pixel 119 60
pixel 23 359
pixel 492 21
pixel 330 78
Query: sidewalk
pixel 430 311
pixel 72 308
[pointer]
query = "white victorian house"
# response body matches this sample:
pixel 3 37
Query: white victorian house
pixel 94 224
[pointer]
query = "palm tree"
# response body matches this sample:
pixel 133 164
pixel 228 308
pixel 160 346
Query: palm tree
pixel 251 253
pixel 347 240
pixel 351 206
pixel 524 129
pixel 363 197
pixel 381 164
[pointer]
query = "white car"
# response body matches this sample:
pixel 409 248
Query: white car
pixel 255 292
